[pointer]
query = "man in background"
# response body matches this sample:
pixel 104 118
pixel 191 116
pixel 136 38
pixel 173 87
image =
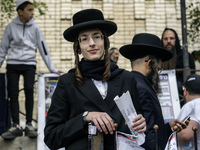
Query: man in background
pixel 170 41
pixel 114 54
pixel 146 56
pixel 191 108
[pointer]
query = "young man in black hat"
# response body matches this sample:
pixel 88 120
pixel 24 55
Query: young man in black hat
pixel 146 56
pixel 191 108
pixel 86 93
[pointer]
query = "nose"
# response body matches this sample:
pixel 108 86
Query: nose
pixel 168 40
pixel 91 41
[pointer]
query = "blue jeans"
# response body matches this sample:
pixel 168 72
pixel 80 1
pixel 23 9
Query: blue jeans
pixel 13 74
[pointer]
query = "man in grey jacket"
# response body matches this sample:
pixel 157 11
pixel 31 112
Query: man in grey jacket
pixel 20 41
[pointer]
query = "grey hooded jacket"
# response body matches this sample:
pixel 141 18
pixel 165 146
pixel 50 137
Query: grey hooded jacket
pixel 20 42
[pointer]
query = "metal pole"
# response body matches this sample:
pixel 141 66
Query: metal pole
pixel 194 128
pixel 155 127
pixel 186 71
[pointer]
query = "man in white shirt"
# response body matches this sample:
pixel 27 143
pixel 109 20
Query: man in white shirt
pixel 191 109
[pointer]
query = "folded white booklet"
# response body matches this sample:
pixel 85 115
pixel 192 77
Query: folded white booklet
pixel 126 142
pixel 125 105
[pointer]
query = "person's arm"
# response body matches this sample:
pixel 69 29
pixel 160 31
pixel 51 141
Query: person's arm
pixel 139 122
pixel 187 134
pixel 4 45
pixel 44 51
pixel 148 111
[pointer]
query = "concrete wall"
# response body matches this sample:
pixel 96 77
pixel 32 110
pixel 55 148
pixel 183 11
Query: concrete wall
pixel 19 143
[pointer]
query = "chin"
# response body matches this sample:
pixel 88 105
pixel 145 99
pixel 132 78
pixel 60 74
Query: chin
pixel 92 59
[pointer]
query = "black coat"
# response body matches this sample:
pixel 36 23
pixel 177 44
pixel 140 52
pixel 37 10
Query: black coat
pixel 152 113
pixel 64 126
pixel 179 65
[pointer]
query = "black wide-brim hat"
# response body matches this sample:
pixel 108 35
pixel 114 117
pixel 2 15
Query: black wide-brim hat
pixel 144 44
pixel 86 19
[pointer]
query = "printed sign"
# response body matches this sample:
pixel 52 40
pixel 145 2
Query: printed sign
pixel 168 95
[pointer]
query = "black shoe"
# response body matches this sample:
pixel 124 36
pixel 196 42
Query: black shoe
pixel 30 131
pixel 12 133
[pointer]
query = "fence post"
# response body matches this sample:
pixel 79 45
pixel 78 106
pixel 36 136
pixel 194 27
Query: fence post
pixel 194 128
pixel 155 127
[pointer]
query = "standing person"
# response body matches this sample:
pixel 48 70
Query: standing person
pixel 146 56
pixel 86 93
pixel 170 41
pixel 19 42
pixel 114 54
pixel 191 109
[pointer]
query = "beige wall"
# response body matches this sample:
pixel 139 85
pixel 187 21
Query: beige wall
pixel 131 16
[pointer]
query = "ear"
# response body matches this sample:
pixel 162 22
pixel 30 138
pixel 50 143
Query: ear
pixel 148 64
pixel 19 12
pixel 185 92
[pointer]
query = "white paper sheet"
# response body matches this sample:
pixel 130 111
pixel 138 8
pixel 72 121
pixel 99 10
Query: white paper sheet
pixel 125 105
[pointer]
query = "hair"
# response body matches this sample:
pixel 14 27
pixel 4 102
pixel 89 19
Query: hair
pixel 138 61
pixel 112 50
pixel 23 5
pixel 153 75
pixel 177 44
pixel 78 74
pixel 191 92
pixel 170 64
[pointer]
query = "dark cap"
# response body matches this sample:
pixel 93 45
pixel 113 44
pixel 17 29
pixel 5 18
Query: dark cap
pixel 193 82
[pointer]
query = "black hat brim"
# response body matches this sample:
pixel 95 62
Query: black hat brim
pixel 108 27
pixel 135 51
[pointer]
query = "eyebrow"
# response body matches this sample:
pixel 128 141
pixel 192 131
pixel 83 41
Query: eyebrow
pixel 169 38
pixel 92 34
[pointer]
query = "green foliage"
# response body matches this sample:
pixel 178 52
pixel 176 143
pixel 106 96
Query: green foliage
pixel 8 10
pixel 194 21
pixel 196 55
pixel 41 7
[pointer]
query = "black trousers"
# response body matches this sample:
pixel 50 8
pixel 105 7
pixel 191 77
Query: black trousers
pixel 13 74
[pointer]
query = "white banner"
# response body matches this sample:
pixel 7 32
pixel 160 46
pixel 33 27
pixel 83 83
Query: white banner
pixel 169 97
pixel 46 86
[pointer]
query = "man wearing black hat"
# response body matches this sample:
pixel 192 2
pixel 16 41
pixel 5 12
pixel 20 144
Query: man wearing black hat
pixel 191 109
pixel 86 93
pixel 146 56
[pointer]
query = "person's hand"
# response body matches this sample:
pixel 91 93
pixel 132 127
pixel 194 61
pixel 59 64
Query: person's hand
pixel 59 72
pixel 102 121
pixel 139 124
pixel 177 125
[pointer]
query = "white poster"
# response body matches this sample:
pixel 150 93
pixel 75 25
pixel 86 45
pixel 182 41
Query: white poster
pixel 46 86
pixel 168 97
